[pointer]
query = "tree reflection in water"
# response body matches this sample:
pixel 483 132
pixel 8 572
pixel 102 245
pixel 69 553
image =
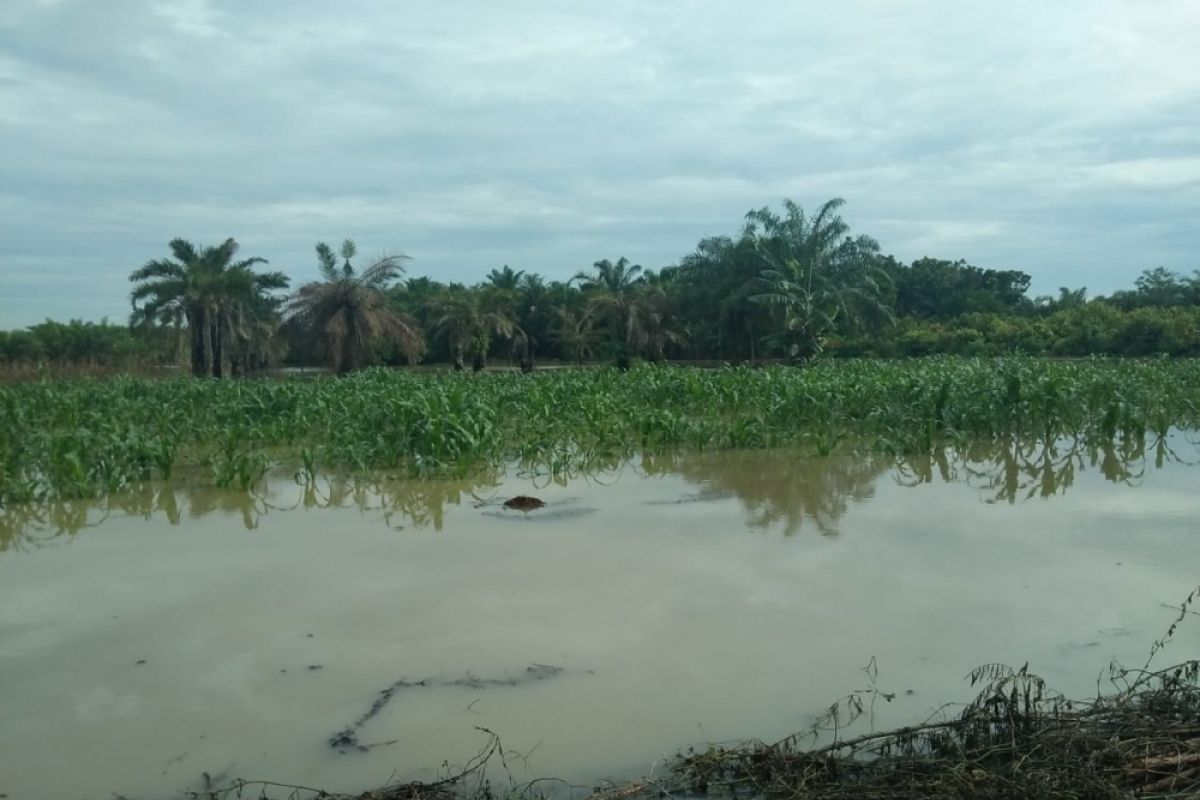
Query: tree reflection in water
pixel 785 487
pixel 794 489
pixel 396 502
pixel 776 487
pixel 1009 469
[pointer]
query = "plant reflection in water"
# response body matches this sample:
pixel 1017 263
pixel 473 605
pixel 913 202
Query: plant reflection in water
pixel 777 488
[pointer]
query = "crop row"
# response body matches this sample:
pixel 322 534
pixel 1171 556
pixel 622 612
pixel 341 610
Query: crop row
pixel 88 437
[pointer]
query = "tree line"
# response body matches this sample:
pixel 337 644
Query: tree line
pixel 789 285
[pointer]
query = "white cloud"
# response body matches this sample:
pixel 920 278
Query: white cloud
pixel 190 17
pixel 1164 173
pixel 943 237
pixel 1058 139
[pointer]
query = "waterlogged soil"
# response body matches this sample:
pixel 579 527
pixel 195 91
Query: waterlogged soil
pixel 344 633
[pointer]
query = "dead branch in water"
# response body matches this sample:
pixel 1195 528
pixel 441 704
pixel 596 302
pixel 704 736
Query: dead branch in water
pixel 346 739
pixel 1016 739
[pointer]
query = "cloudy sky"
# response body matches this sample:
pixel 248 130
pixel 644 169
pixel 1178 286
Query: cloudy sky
pixel 1058 138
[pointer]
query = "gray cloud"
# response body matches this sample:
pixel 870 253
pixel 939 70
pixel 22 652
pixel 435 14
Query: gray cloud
pixel 1054 138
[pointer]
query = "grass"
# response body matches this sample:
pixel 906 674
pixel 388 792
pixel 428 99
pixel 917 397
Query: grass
pixel 88 437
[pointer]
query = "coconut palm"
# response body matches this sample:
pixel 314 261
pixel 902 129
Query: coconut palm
pixel 818 278
pixel 348 310
pixel 204 289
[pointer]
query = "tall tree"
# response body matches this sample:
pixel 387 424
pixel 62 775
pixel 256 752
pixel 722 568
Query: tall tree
pixel 941 289
pixel 506 294
pixel 658 327
pixel 576 334
pixel 1163 287
pixel 818 279
pixel 506 278
pixel 253 323
pixel 532 312
pixel 205 289
pixel 467 319
pixel 349 312
pixel 611 292
pixel 710 292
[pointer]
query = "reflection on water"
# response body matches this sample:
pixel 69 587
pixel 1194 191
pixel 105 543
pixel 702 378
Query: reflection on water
pixel 777 488
pixel 397 503
pixel 170 642
pixel 781 488
pixel 1013 469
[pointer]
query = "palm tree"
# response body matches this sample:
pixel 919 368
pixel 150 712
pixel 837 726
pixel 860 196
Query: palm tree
pixel 710 290
pixel 349 311
pixel 656 326
pixel 467 319
pixel 576 334
pixel 506 293
pixel 818 278
pixel 613 279
pixel 505 278
pixel 204 289
pixel 611 292
pixel 254 324
pixel 534 315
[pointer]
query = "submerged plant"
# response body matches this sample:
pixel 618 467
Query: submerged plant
pixel 88 437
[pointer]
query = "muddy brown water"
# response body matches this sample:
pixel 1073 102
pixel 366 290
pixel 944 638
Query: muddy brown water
pixel 152 637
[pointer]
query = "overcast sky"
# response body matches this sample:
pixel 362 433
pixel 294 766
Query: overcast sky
pixel 1060 138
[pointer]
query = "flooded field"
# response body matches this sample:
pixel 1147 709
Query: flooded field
pixel 162 634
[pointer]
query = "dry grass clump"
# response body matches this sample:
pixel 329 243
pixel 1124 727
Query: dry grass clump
pixel 1015 740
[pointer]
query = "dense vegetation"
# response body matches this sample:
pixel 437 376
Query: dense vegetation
pixel 86 437
pixel 788 285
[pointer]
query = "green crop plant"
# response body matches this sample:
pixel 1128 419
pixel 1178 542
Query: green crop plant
pixel 87 437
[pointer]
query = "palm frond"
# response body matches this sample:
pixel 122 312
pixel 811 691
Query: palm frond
pixel 271 281
pixel 247 263
pixel 383 272
pixel 159 268
pixel 184 251
pixel 327 263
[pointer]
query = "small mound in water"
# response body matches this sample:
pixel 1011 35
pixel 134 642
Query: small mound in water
pixel 523 502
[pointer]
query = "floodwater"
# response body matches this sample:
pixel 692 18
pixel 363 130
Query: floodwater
pixel 171 632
